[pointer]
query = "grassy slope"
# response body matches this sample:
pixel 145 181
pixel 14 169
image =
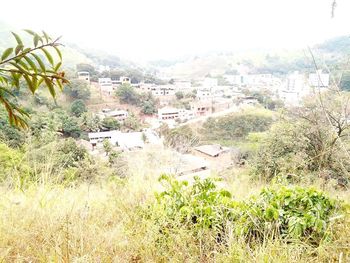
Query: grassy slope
pixel 100 222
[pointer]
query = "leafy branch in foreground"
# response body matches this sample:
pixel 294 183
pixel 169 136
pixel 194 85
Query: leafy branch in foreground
pixel 35 65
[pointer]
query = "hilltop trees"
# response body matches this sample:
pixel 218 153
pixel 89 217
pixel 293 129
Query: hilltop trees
pixel 32 64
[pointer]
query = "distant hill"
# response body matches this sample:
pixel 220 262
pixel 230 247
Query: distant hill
pixel 333 51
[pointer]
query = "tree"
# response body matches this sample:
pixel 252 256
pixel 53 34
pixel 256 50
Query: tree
pixel 131 122
pixel 179 95
pixel 181 139
pixel 70 127
pixel 78 89
pixel 148 103
pixel 33 64
pixel 110 123
pixel 127 94
pixel 78 108
pixel 107 146
pixel 90 122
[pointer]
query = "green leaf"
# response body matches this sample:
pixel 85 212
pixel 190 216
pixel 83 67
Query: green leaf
pixel 58 66
pixel 46 36
pixel 29 83
pixel 19 48
pixel 18 39
pixel 40 62
pixel 36 40
pixel 31 63
pixel 58 51
pixel 6 53
pixel 48 55
pixel 31 32
pixel 50 86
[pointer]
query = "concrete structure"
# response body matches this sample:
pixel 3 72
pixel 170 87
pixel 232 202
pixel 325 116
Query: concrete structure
pixel 124 140
pixel 201 108
pixel 319 79
pixel 163 90
pixel 106 85
pixel 122 80
pixel 119 115
pixel 182 85
pixel 168 113
pixel 84 75
pixel 203 94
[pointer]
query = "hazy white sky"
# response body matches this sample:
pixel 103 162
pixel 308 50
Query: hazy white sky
pixel 155 29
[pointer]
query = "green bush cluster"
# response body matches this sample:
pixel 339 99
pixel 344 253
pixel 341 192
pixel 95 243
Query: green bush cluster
pixel 293 213
pixel 283 213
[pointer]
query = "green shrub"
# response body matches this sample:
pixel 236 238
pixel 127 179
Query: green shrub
pixel 291 213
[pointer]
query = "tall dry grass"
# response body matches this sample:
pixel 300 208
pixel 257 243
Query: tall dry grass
pixel 101 222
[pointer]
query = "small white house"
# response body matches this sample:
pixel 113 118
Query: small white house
pixel 84 75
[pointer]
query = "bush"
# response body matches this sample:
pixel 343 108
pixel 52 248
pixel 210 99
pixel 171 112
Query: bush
pixel 292 213
pixel 236 126
pixel 77 108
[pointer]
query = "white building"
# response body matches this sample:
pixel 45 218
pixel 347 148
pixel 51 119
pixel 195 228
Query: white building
pixel 119 115
pixel 182 85
pixel 124 140
pixel 319 79
pixel 122 80
pixel 163 90
pixel 168 113
pixel 106 85
pixel 203 94
pixel 84 75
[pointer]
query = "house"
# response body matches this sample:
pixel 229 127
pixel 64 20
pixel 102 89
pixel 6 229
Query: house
pixel 119 115
pixel 169 113
pixel 201 108
pixel 213 150
pixel 319 79
pixel 122 80
pixel 106 85
pixel 124 140
pixel 84 75
pixel 203 94
pixel 163 90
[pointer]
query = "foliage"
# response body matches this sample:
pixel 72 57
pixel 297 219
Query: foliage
pixel 201 209
pixel 78 107
pixel 9 134
pixel 236 126
pixel 13 164
pixel 78 89
pixel 110 123
pixel 70 126
pixel 132 123
pixel 181 139
pixel 179 95
pixel 292 213
pixel 90 122
pixel 127 94
pixel 308 140
pixel 107 146
pixel 26 63
pixel 148 103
